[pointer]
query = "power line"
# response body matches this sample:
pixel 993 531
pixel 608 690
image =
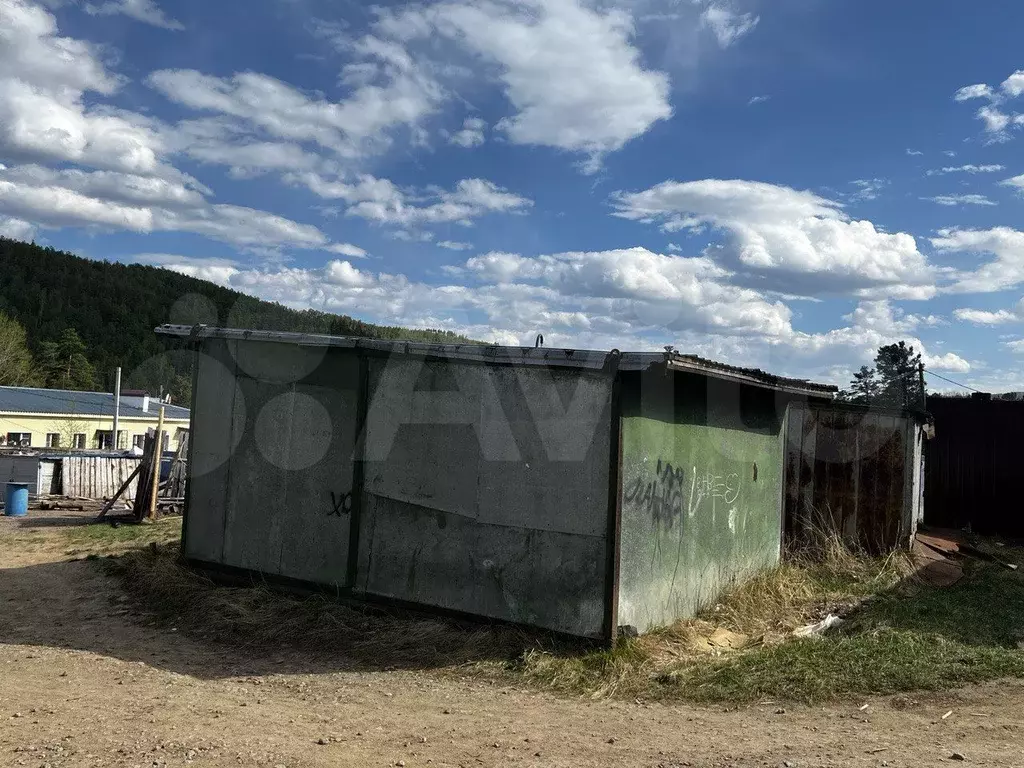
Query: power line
pixel 929 373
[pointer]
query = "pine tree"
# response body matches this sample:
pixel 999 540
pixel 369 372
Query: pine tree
pixel 898 373
pixel 864 388
pixel 64 363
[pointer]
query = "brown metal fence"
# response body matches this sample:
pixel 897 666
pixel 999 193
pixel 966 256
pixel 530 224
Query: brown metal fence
pixel 853 471
pixel 973 466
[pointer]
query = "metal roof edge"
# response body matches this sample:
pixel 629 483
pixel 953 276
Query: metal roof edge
pixel 485 353
pixel 742 376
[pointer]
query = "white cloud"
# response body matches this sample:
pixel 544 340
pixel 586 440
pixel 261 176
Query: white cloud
pixel 758 100
pixel 381 201
pixel 914 152
pixel 977 91
pixel 398 94
pixel 952 200
pixel 987 317
pixel 452 245
pixel 969 168
pixel 110 185
pixel 16 229
pixel 471 134
pixel 1017 182
pixel 570 71
pixel 673 248
pixel 347 249
pixel 1006 270
pixel 798 242
pixel 727 25
pixel 868 189
pixel 43 81
pixel 1013 86
pixel 995 119
pixel 146 11
pixel 116 201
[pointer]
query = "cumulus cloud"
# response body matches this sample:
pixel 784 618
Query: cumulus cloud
pixel 1005 270
pixel 453 245
pixel 757 100
pixel 44 79
pixel 146 11
pixel 988 317
pixel 795 240
pixel 570 72
pixel 471 134
pixel 996 120
pixel 347 249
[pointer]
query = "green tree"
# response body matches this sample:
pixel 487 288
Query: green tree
pixel 864 388
pixel 65 364
pixel 894 382
pixel 898 374
pixel 17 368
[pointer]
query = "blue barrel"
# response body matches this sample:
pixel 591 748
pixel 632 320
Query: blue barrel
pixel 16 500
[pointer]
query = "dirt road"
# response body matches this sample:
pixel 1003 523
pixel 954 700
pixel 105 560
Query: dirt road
pixel 85 682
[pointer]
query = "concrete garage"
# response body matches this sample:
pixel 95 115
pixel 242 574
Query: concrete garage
pixel 575 491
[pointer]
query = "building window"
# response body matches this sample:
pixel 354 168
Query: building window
pixel 78 441
pixel 139 441
pixel 104 439
pixel 53 440
pixel 19 439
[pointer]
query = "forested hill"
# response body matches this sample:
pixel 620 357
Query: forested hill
pixel 115 307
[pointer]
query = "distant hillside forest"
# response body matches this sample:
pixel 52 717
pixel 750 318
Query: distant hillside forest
pixel 83 318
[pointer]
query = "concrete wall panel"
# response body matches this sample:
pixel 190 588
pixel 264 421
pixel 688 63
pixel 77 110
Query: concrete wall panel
pixel 541 578
pixel 483 451
pixel 217 408
pixel 701 497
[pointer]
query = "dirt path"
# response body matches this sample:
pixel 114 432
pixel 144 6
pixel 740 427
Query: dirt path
pixel 84 682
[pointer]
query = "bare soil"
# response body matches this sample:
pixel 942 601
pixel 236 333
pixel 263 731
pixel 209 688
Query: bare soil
pixel 85 680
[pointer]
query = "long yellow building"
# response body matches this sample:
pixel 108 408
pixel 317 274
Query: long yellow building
pixel 69 420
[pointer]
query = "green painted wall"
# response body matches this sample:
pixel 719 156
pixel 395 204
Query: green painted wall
pixel 701 494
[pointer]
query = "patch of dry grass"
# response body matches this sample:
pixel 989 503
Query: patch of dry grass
pixel 260 619
pixel 902 635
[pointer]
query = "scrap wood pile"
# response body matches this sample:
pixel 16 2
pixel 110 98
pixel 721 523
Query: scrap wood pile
pixel 939 555
pixel 153 497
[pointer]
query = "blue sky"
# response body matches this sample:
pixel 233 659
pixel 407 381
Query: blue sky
pixel 786 184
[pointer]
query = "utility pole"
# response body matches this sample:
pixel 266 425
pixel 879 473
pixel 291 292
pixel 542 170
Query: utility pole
pixel 924 397
pixel 117 406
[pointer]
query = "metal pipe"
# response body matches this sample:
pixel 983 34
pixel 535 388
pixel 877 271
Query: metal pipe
pixel 117 407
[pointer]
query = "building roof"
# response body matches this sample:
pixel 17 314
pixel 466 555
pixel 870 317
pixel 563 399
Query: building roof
pixel 64 402
pixel 490 353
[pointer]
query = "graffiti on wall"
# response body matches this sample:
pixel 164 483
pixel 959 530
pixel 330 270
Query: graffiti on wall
pixel 341 504
pixel 667 495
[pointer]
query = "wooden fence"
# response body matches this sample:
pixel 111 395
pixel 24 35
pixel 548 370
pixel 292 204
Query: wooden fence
pixel 972 470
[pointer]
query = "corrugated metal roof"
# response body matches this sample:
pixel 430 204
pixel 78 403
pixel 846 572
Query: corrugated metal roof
pixel 700 365
pixel 62 401
pixel 550 356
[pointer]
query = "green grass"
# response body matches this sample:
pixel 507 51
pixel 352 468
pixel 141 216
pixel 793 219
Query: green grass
pixel 900 635
pixel 166 532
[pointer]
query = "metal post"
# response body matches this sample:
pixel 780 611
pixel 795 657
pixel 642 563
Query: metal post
pixel 117 407
pixel 158 454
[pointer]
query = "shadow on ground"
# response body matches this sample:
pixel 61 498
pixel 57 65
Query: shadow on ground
pixel 147 607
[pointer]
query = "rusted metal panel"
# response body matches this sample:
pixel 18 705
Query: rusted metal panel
pixel 850 472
